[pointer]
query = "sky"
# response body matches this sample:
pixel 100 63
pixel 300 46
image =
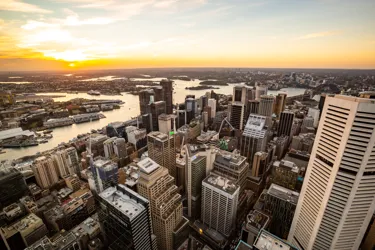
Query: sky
pixel 113 34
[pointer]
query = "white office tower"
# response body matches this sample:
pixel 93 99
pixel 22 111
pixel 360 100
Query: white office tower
pixel 165 123
pixel 266 105
pixel 338 194
pixel 314 113
pixel 219 203
pixel 259 91
pixel 212 104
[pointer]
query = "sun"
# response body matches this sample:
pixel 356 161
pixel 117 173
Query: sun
pixel 71 65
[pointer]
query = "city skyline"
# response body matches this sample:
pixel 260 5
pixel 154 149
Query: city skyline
pixel 82 34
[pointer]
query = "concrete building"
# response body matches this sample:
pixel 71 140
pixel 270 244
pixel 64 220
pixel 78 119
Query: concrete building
pixel 315 114
pixel 285 173
pixel 124 218
pixel 303 142
pixel 259 91
pixel 255 222
pixel 266 105
pixel 168 95
pixel 45 172
pixel 308 122
pixel 285 123
pixel 199 163
pixel 109 151
pixel 212 104
pixel 136 136
pixel 97 141
pixel 66 161
pixel 335 208
pixel 12 186
pixel 161 149
pixel 165 123
pixel 232 166
pixel 252 107
pixel 237 115
pixel 119 148
pixel 23 233
pixel 156 185
pixel 219 203
pixel 254 137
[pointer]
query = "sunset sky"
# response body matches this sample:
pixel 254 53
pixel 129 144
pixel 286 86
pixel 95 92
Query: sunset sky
pixel 104 34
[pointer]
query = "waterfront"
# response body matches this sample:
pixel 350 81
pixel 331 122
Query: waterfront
pixel 127 111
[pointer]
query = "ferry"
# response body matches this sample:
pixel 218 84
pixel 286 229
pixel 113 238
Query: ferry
pixel 93 92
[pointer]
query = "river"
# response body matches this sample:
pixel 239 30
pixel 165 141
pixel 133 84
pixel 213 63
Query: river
pixel 127 111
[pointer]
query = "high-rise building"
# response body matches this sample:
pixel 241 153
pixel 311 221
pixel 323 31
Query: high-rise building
pixel 285 173
pixel 259 91
pixel 191 107
pixel 119 148
pixel 212 104
pixel 265 239
pixel 285 123
pixel 124 218
pixel 168 95
pixel 252 107
pixel 307 123
pixel 259 164
pixel 12 186
pixel 161 149
pixel 159 93
pixel 115 129
pixel 165 123
pixel 237 115
pixel 136 136
pixel 254 137
pixel 66 161
pixel 109 151
pixel 281 203
pixel 45 172
pixel 146 97
pixel 105 174
pixel 156 185
pixel 219 203
pixel 199 162
pixel 280 103
pixel 156 109
pixel 315 114
pixel 97 141
pixel 266 105
pixel 337 197
pixel 232 166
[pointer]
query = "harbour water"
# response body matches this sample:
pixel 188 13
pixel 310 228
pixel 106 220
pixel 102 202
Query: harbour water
pixel 127 111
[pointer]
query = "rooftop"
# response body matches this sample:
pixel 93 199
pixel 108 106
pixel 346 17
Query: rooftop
pixel 10 133
pixel 158 135
pixel 221 183
pixel 268 241
pixel 122 202
pixel 257 219
pixel 229 159
pixel 147 165
pixel 243 246
pixel 255 126
pixel 287 164
pixel 283 193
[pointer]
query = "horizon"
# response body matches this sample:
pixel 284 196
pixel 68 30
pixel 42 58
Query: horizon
pixel 74 35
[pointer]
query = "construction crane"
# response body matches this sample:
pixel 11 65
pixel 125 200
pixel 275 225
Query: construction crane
pixel 225 120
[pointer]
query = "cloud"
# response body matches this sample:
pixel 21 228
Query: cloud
pixel 165 3
pixel 18 6
pixel 32 24
pixel 189 24
pixel 316 35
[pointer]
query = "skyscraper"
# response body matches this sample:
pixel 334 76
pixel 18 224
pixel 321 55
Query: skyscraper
pixel 12 186
pixel 260 90
pixel 124 218
pixel 165 123
pixel 212 104
pixel 266 105
pixel 108 147
pixel 219 203
pixel 105 173
pixel 337 196
pixel 146 97
pixel 156 185
pixel 156 109
pixel 237 108
pixel 254 137
pixel 279 104
pixel 168 95
pixel 199 162
pixel 45 172
pixel 259 164
pixel 285 123
pixel 119 147
pixel 161 149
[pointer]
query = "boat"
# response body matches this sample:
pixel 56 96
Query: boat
pixel 20 144
pixel 93 92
